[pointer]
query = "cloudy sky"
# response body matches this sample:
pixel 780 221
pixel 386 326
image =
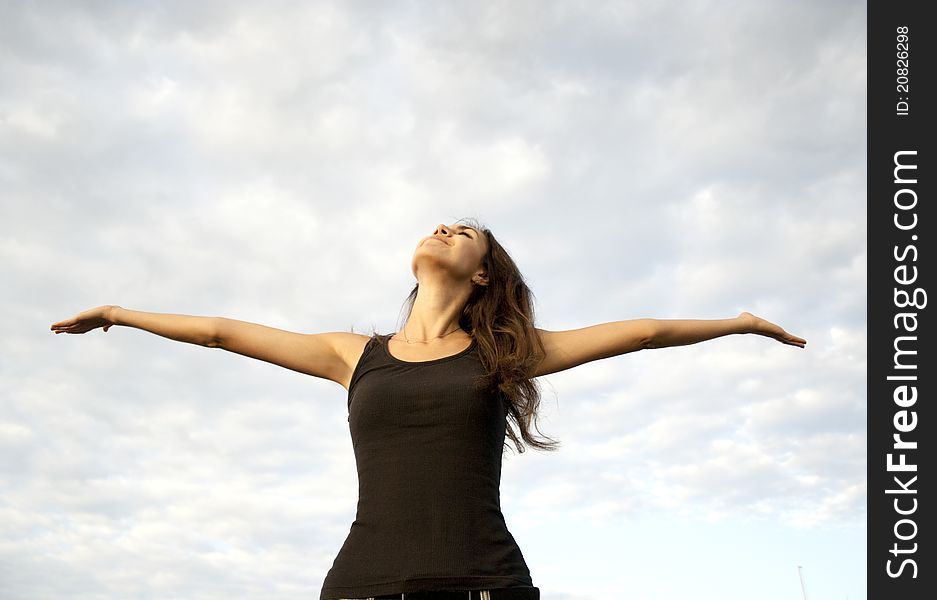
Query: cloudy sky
pixel 278 163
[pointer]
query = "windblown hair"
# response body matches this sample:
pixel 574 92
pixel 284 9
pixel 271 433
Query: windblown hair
pixel 500 316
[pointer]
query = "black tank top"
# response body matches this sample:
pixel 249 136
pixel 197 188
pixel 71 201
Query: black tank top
pixel 428 449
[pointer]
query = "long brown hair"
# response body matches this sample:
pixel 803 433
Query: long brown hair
pixel 500 316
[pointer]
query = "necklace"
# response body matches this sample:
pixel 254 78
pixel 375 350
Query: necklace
pixel 429 340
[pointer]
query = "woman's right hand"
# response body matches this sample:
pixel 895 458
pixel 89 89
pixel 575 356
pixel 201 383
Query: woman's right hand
pixel 87 320
pixel 768 329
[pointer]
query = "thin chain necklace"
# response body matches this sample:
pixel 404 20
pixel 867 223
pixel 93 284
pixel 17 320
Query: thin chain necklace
pixel 457 327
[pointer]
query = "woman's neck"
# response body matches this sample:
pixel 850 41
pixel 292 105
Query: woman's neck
pixel 436 311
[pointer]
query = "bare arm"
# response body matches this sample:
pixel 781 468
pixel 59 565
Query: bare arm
pixel 331 355
pixel 181 328
pixel 681 332
pixel 328 355
pixel 568 349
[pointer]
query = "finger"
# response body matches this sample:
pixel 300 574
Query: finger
pixel 789 339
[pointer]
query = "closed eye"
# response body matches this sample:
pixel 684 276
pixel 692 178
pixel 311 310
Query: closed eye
pixel 465 234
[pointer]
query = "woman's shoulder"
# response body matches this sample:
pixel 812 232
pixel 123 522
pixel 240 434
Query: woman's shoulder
pixel 349 344
pixel 350 348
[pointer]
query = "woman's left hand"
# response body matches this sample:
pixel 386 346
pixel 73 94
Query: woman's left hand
pixel 760 326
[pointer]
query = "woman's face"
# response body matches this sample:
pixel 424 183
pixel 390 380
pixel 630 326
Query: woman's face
pixel 459 249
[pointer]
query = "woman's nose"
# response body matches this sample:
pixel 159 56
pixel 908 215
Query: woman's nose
pixel 441 229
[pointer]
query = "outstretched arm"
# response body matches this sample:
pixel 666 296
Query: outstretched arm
pixel 568 349
pixel 326 355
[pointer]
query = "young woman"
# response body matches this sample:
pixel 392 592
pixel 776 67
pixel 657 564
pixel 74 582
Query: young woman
pixel 429 409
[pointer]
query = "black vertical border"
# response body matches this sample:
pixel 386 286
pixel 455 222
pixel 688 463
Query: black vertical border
pixel 900 261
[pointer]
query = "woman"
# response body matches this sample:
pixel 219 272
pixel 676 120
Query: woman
pixel 429 408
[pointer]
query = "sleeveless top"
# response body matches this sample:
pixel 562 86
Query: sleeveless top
pixel 428 449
